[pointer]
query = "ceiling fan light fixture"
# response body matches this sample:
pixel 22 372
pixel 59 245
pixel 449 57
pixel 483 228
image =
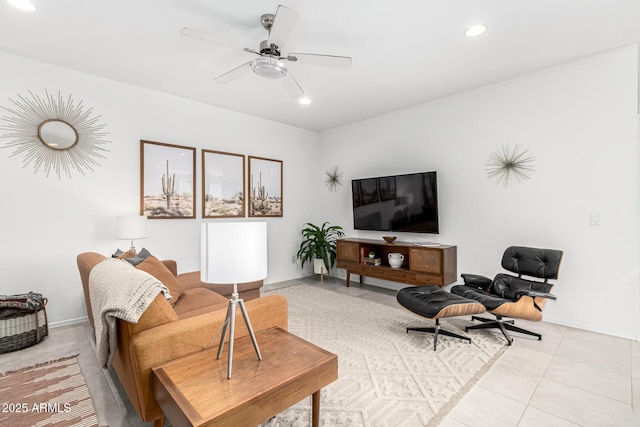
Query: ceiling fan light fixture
pixel 475 30
pixel 25 5
pixel 270 68
pixel 304 101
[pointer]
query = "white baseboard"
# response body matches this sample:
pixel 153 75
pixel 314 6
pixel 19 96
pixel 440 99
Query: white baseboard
pixel 68 322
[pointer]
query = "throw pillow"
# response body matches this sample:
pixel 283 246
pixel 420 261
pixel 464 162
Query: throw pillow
pixel 123 255
pixel 135 259
pixel 157 269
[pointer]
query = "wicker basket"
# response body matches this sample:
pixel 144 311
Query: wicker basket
pixel 23 321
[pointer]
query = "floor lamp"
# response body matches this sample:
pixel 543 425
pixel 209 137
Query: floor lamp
pixel 234 252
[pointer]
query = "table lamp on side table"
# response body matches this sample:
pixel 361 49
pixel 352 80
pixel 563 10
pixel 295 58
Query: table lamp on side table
pixel 131 227
pixel 234 252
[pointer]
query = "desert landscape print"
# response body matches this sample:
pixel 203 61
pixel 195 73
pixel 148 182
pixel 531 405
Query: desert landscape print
pixel 265 198
pixel 223 184
pixel 168 180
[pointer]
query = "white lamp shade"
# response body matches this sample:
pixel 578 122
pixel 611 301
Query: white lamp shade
pixel 131 227
pixel 233 252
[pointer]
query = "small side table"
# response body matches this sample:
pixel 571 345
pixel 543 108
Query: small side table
pixel 194 390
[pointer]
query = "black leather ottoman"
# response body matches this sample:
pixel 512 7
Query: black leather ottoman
pixel 434 303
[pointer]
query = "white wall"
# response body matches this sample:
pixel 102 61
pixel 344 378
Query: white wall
pixel 579 120
pixel 47 221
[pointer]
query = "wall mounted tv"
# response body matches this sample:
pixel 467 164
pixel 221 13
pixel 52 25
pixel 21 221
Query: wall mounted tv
pixel 396 203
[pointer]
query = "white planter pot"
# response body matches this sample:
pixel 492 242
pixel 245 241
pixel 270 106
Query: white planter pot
pixel 318 266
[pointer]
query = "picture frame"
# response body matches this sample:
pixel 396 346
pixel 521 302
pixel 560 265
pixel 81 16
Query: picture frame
pixel 223 184
pixel 167 180
pixel 265 187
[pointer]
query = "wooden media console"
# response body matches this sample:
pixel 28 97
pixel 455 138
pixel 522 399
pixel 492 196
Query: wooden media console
pixel 422 265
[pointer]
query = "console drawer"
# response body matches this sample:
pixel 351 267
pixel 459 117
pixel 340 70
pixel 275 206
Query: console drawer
pixel 423 279
pixel 425 261
pixel 347 251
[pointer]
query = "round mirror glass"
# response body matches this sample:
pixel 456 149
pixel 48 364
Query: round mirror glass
pixel 57 134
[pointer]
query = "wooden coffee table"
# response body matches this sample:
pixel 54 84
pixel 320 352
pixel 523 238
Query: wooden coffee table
pixel 194 390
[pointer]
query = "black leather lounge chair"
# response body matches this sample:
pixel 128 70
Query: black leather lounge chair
pixel 514 296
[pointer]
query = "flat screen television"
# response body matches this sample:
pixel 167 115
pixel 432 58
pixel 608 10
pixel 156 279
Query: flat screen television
pixel 406 203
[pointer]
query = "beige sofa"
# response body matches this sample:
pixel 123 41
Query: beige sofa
pixel 167 331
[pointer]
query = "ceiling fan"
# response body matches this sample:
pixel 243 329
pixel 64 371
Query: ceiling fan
pixel 270 63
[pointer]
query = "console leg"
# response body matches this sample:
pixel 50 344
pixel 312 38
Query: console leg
pixel 315 409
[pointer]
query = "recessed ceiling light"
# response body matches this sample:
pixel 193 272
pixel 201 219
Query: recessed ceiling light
pixel 475 30
pixel 22 4
pixel 304 100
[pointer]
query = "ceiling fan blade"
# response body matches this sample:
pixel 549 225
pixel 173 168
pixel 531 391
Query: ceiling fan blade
pixel 200 35
pixel 234 74
pixel 283 24
pixel 322 60
pixel 292 85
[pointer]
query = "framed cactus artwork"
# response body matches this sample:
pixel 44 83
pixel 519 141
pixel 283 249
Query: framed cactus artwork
pixel 222 184
pixel 167 180
pixel 265 187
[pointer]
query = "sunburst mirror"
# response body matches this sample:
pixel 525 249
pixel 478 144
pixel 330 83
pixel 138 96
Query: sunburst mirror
pixel 508 163
pixel 53 133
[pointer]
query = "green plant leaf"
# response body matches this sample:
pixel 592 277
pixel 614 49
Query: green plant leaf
pixel 319 242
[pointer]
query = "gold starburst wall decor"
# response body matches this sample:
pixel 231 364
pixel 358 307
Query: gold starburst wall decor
pixel 508 163
pixel 334 178
pixel 53 133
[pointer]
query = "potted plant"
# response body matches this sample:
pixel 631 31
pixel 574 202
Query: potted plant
pixel 319 244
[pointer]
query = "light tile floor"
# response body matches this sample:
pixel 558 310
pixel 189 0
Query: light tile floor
pixel 570 378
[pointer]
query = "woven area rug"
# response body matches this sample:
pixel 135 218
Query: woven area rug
pixel 49 394
pixel 387 377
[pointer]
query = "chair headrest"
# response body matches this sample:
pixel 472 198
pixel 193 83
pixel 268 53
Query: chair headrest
pixel 535 262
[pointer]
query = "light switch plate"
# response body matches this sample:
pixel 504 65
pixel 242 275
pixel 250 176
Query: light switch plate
pixel 596 219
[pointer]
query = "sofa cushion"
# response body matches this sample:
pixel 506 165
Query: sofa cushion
pixel 197 301
pixel 157 269
pixel 191 280
pixel 248 290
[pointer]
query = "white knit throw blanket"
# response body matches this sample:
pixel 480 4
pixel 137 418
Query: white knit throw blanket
pixel 118 290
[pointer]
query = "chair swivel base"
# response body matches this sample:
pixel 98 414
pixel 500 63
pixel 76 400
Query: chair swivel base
pixel 437 331
pixel 503 325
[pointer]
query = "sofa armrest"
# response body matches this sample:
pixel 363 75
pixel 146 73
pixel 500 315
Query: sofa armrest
pixel 171 265
pixel 153 347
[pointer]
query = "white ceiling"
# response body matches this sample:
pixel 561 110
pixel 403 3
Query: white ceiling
pixel 404 53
